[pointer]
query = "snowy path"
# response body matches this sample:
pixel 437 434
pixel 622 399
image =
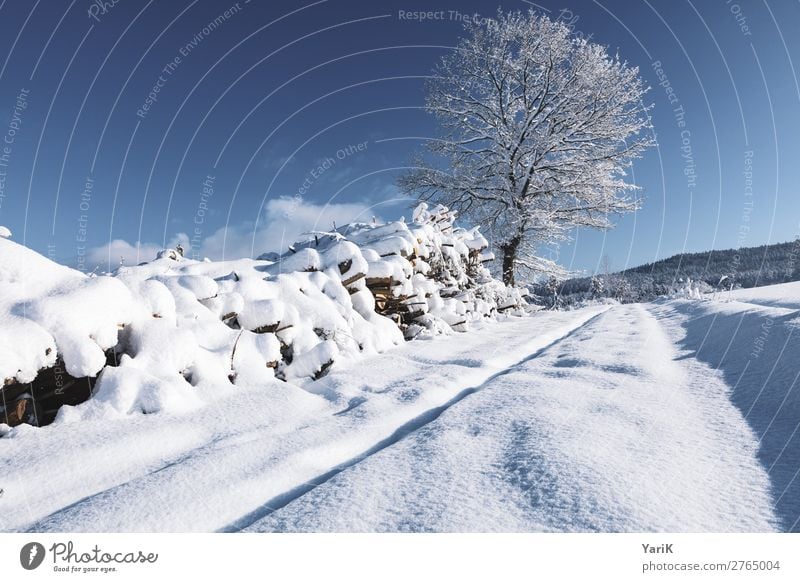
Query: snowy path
pixel 605 431
pixel 755 351
pixel 256 448
pixel 629 418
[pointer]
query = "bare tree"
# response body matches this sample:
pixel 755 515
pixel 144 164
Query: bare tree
pixel 539 127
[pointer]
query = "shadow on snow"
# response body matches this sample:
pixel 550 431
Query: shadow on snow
pixel 759 357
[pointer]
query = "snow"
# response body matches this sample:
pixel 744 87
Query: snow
pixel 127 389
pixel 182 328
pixel 754 350
pixel 604 431
pixel 610 418
pixel 261 313
pixel 680 415
pixel 786 295
pixel 259 441
pixel 44 305
pixel 4 232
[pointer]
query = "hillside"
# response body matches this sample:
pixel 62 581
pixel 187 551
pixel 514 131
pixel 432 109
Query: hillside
pixel 731 268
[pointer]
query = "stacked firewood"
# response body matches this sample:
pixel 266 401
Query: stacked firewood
pixel 37 402
pixel 177 324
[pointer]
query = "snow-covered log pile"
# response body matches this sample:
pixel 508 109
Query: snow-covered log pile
pixel 428 275
pixel 168 333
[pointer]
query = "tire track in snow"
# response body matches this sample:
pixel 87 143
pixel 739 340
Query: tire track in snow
pixel 407 429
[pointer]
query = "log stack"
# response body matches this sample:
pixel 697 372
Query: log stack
pixel 38 402
pixel 179 323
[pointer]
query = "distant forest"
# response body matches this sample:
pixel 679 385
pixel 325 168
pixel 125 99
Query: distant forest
pixel 703 272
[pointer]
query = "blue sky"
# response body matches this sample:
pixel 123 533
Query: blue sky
pixel 284 116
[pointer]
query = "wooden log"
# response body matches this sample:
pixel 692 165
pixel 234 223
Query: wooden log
pixel 272 328
pixel 323 370
pixel 384 291
pixel 382 282
pixel 52 388
pixel 412 315
pixel 344 266
pixel 350 280
pixel 266 328
pixel 15 414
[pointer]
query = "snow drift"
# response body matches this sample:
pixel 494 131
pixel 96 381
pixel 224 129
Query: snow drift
pixel 174 327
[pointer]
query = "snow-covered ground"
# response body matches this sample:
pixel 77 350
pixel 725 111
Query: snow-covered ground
pixel 225 465
pixel 784 295
pixel 605 431
pixel 674 416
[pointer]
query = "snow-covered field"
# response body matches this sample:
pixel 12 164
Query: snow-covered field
pixel 604 431
pixel 674 416
pixel 784 295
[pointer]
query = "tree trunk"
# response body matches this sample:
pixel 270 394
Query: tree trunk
pixel 509 259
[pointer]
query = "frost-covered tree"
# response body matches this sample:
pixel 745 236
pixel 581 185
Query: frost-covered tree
pixel 552 291
pixel 539 128
pixel 597 287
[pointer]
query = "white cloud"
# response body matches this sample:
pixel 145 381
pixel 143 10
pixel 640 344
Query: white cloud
pixel 110 255
pixel 285 220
